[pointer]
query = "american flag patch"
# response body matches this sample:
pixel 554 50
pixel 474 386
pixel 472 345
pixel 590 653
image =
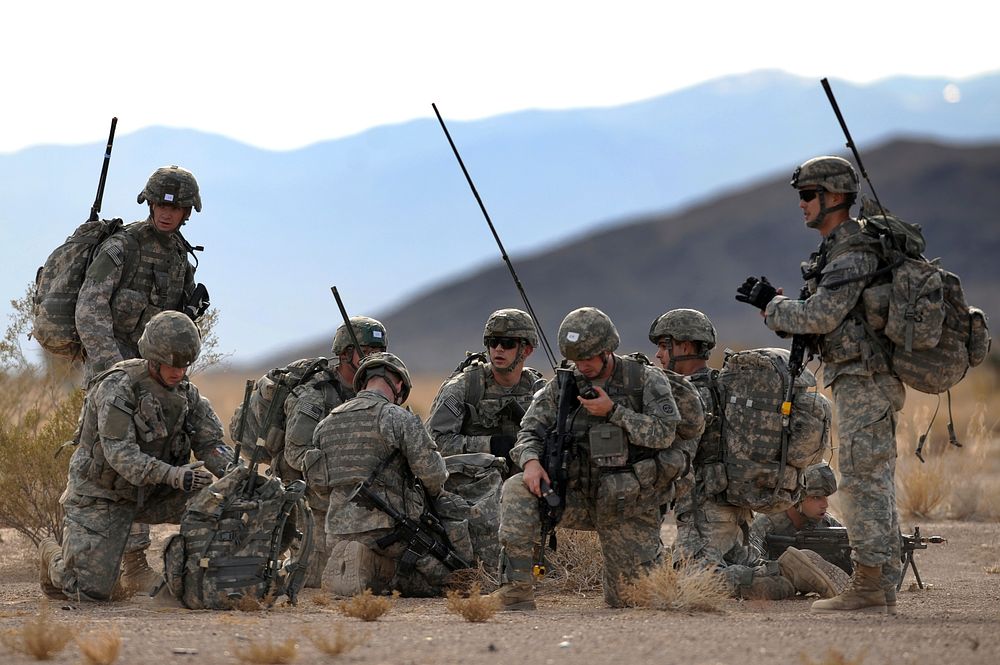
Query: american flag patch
pixel 454 405
pixel 117 253
pixel 309 410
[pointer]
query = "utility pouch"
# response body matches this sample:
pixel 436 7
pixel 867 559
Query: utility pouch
pixel 608 445
pixel 617 496
pixel 876 302
pixel 714 478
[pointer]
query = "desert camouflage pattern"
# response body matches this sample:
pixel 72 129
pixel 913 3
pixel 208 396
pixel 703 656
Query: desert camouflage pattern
pixel 511 323
pixel 370 332
pixel 170 338
pixel 683 325
pixel 819 480
pixel 834 174
pixel 350 443
pixel 171 185
pixel 117 470
pixel 781 524
pixel 135 276
pixel 471 406
pixel 477 478
pixel 623 505
pixel 866 397
pixel 585 333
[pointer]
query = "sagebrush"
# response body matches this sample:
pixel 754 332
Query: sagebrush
pixel 474 607
pixel 684 587
pixel 100 647
pixel 39 637
pixel 368 607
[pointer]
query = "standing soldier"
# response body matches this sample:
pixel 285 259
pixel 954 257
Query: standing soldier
pixel 308 404
pixel 373 438
pixel 866 393
pixel 619 494
pixel 140 423
pixel 475 418
pixel 710 530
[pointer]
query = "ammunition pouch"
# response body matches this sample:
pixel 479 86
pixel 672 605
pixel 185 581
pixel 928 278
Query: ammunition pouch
pixel 607 445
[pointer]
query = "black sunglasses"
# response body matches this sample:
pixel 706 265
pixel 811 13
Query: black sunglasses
pixel 507 343
pixel 809 194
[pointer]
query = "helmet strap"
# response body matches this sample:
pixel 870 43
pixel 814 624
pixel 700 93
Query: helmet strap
pixel 512 367
pixel 676 359
pixel 823 210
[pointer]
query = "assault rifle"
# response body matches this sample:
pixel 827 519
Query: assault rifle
pixel 241 425
pixel 831 542
pixel 95 210
pixel 422 536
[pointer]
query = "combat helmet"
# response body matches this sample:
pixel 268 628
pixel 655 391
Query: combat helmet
pixel 378 364
pixel 511 323
pixel 819 480
pixel 586 333
pixel 684 325
pixel 834 174
pixel 171 185
pixel 170 338
pixel 369 332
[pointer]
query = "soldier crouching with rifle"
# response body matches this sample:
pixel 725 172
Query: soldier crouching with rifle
pixel 140 423
pixel 390 526
pixel 604 431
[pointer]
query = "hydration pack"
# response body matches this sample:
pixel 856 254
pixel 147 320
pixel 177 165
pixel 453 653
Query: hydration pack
pixel 762 458
pixel 233 547
pixel 58 282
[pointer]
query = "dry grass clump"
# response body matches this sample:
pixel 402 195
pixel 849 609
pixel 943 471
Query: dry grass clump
pixel 992 570
pixel 833 657
pixel 100 647
pixel 321 600
pixel 40 637
pixel 922 488
pixel 686 587
pixel 475 608
pixel 465 579
pixel 341 642
pixel 577 566
pixel 249 602
pixel 267 652
pixel 366 606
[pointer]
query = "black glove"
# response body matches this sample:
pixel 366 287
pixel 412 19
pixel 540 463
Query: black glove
pixel 189 478
pixel 756 292
pixel 501 445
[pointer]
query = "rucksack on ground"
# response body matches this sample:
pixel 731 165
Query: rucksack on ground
pixel 234 549
pixel 921 307
pixel 58 282
pixel 763 462
pixel 278 382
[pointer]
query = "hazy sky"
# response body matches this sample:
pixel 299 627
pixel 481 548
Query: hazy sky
pixel 280 75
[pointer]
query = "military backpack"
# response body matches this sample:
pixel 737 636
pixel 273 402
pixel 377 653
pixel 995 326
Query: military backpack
pixel 239 548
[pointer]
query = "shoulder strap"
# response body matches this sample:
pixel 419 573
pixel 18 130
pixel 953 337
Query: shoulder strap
pixel 475 383
pixel 632 374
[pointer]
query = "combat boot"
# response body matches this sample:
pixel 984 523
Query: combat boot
pixel 863 594
pixel 136 573
pixel 810 573
pixel 890 601
pixel 48 548
pixel 516 596
pixel 767 587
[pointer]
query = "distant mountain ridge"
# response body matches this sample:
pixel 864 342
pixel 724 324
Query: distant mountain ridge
pixel 386 214
pixel 697 257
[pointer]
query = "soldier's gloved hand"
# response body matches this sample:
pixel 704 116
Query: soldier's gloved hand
pixel 190 477
pixel 673 463
pixel 501 445
pixel 756 292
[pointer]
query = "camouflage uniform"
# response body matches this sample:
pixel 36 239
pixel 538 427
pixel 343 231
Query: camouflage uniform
pixel 866 394
pixel 135 275
pixel 351 443
pixel 133 431
pixel 468 410
pixel 780 524
pixel 629 530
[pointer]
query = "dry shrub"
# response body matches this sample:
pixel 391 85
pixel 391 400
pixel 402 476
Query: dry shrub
pixel 465 579
pixel 40 637
pixel 249 602
pixel 341 642
pixel 687 587
pixel 577 565
pixel 366 606
pixel 100 647
pixel 475 608
pixel 265 651
pixel 322 600
pixel 993 570
pixel 833 657
pixel 922 488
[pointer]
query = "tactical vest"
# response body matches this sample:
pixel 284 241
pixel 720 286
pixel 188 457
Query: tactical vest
pixel 159 416
pixel 488 408
pixel 350 448
pixel 156 284
pixel 710 446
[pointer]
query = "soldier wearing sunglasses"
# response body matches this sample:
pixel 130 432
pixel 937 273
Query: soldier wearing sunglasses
pixel 475 418
pixel 866 393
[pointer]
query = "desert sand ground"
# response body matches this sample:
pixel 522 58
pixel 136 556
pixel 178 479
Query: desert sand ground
pixel 956 619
